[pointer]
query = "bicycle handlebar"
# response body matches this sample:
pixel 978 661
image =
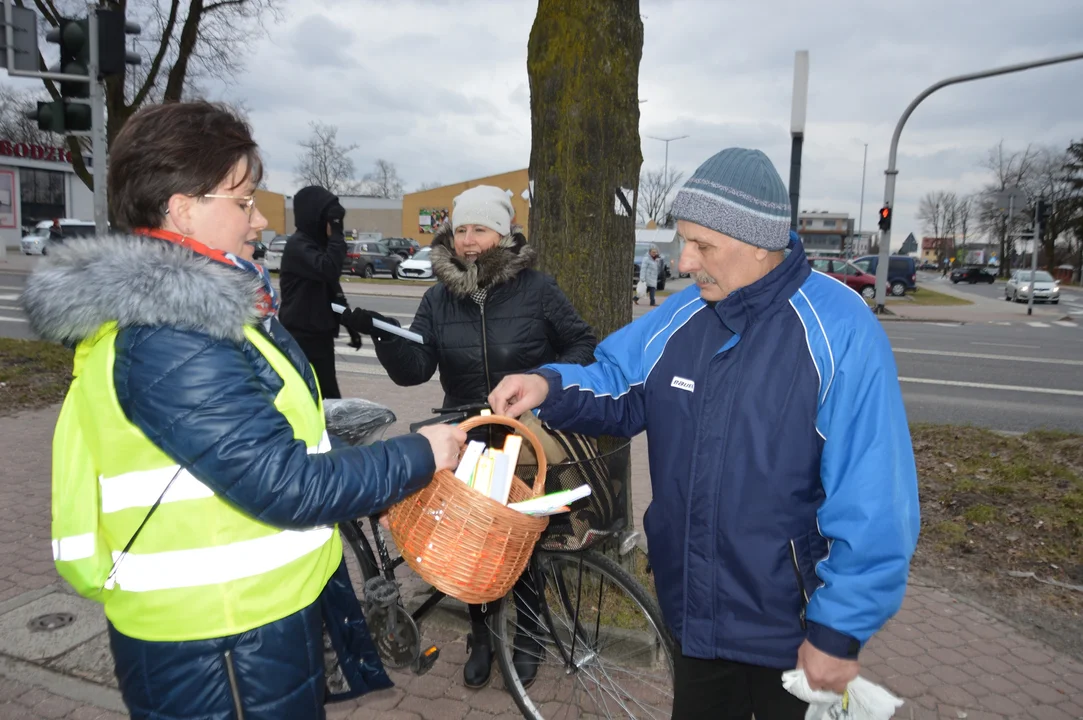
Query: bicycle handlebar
pixel 450 416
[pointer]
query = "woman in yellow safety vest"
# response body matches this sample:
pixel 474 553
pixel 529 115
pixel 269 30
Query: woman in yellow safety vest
pixel 195 489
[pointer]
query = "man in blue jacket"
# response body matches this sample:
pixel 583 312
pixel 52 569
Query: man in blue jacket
pixel 785 507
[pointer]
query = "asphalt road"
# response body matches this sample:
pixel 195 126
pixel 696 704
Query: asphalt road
pixel 1071 301
pixel 1014 377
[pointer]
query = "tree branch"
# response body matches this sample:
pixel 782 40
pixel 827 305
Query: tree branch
pixel 174 87
pixel 156 65
pixel 221 4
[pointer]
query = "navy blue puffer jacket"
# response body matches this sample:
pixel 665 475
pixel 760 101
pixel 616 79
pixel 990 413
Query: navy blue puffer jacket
pixel 185 375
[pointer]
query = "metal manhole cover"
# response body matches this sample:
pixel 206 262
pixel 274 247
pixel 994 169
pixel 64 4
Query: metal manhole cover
pixel 51 621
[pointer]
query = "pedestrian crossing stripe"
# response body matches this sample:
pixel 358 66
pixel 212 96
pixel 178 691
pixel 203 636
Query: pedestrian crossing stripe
pixel 1038 324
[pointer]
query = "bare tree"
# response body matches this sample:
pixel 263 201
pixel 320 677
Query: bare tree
pixel 1073 170
pixel 1052 181
pixel 325 163
pixel 181 43
pixel 428 186
pixel 14 123
pixel 931 214
pixel 1009 170
pixel 383 181
pixel 964 206
pixel 654 195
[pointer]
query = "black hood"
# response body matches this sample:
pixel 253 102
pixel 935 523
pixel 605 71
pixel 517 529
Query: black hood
pixel 309 205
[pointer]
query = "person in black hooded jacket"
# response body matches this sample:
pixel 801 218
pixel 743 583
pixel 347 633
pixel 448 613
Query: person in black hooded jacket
pixel 490 315
pixel 311 266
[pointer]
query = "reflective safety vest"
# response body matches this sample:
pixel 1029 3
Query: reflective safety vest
pixel 200 568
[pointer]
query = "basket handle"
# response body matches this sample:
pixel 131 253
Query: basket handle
pixel 482 420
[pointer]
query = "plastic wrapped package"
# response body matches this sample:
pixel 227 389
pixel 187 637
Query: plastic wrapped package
pixel 863 700
pixel 357 421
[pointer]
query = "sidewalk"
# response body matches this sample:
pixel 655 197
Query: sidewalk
pixel 946 657
pixel 982 309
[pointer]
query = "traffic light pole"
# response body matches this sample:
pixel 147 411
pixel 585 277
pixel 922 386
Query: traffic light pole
pixel 891 172
pixel 1034 255
pixel 97 129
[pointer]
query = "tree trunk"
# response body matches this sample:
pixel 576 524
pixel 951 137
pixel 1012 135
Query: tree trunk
pixel 583 63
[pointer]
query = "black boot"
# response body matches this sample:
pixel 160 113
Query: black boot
pixel 527 657
pixel 479 666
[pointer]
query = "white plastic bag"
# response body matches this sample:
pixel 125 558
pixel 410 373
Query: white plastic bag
pixel 641 288
pixel 863 700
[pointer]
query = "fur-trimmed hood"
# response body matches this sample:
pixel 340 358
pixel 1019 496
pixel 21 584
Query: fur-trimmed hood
pixel 492 267
pixel 136 280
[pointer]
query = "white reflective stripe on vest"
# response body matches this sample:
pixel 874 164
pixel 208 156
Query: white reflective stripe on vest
pixel 76 547
pixel 142 488
pixel 215 565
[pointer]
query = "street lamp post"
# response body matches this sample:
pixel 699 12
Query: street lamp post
pixel 891 172
pixel 861 211
pixel 667 141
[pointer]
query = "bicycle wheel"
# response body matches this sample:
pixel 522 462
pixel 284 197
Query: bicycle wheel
pixel 605 651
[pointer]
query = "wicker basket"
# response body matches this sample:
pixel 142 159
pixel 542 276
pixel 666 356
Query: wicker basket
pixel 463 543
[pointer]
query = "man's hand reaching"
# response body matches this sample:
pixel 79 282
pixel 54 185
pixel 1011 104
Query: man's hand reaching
pixel 518 394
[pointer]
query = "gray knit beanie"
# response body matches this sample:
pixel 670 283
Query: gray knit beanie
pixel 483 205
pixel 738 193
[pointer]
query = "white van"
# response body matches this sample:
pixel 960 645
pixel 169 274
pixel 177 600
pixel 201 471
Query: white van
pixel 37 242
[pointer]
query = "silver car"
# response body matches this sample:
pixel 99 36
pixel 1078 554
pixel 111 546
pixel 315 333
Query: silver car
pixel 1021 284
pixel 273 259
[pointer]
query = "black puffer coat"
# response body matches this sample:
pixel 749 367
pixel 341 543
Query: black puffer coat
pixel 311 266
pixel 523 321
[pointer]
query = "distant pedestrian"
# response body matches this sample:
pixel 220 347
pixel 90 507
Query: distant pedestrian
pixel 311 270
pixel 56 232
pixel 649 272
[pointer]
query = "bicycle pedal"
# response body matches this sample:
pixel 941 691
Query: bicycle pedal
pixel 426 660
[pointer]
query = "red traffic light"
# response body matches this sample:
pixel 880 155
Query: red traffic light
pixel 885 218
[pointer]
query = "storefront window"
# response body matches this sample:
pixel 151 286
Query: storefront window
pixel 42 195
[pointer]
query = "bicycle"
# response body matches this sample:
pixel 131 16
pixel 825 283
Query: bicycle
pixel 588 605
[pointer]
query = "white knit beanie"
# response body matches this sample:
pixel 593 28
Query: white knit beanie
pixel 483 205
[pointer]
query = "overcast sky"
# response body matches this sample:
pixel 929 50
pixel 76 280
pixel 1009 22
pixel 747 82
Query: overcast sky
pixel 439 87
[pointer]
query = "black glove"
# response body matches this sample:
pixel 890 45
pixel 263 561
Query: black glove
pixel 335 214
pixel 355 338
pixel 360 320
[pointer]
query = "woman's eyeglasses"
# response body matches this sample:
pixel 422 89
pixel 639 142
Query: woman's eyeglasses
pixel 249 201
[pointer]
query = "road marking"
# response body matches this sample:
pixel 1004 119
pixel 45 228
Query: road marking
pixel 985 356
pixel 899 337
pixel 6 296
pixel 11 287
pixel 1032 347
pixel 1065 323
pixel 989 386
pixel 350 352
pixel 7 318
pixel 949 324
pixel 1038 324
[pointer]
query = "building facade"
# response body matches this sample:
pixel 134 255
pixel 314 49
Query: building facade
pixel 825 233
pixel 422 212
pixel 37 182
pixel 272 206
pixel 364 214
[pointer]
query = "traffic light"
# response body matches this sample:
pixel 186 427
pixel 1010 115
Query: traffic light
pixel 1043 212
pixel 73 36
pixel 112 44
pixel 885 218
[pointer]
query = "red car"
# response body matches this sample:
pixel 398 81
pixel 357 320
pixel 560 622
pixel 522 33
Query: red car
pixel 846 272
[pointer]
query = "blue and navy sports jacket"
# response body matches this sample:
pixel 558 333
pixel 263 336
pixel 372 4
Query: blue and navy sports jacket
pixel 784 488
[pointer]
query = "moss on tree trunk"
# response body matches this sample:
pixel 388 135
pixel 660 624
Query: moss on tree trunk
pixel 583 62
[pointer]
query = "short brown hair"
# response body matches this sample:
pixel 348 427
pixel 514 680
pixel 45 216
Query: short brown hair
pixel 181 147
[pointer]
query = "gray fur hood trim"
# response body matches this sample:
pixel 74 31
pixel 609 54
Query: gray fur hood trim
pixel 136 280
pixel 492 267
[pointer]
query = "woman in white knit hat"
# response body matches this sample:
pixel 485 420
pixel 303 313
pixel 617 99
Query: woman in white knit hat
pixel 490 315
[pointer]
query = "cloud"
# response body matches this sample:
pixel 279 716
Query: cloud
pixel 440 87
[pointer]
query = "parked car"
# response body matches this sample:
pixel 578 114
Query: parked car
pixel 902 273
pixel 272 259
pixel 37 242
pixel 1019 287
pixel 972 275
pixel 259 250
pixel 641 251
pixel 419 267
pixel 848 273
pixel 367 258
pixel 405 247
pixel 927 265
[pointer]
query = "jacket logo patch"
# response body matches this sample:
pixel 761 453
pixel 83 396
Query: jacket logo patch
pixel 682 384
